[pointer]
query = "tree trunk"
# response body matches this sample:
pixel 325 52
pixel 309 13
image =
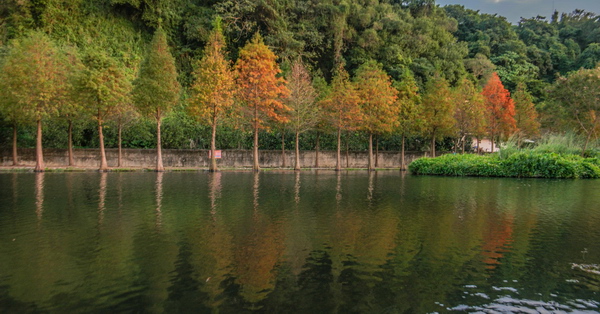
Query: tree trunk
pixel 70 144
pixel 347 151
pixel 317 150
pixel 478 146
pixel 282 149
pixel 402 162
pixel 120 143
pixel 255 165
pixel 433 145
pixel 492 140
pixel 15 157
pixel 103 163
pixel 587 140
pixel 39 154
pixel 213 146
pixel 376 151
pixel 463 144
pixel 297 164
pixel 338 165
pixel 371 165
pixel 159 161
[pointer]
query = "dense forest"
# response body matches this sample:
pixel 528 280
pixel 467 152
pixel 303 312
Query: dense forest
pixel 420 76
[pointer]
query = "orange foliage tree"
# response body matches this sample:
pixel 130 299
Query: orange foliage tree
pixel 378 102
pixel 261 88
pixel 500 109
pixel 213 88
pixel 342 107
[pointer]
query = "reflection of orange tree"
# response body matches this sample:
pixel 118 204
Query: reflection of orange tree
pixel 256 257
pixel 363 243
pixel 497 236
pixel 212 257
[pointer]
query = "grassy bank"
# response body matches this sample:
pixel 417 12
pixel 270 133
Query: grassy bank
pixel 553 156
pixel 520 165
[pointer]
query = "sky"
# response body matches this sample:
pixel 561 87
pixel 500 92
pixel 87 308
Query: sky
pixel 513 10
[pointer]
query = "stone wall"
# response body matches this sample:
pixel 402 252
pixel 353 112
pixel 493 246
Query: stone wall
pixel 196 158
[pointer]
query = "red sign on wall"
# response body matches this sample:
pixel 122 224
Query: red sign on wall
pixel 217 154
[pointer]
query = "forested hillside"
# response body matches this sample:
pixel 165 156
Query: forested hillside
pixel 431 55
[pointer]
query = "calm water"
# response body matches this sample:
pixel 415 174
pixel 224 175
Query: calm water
pixel 238 242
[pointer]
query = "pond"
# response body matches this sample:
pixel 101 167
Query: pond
pixel 284 242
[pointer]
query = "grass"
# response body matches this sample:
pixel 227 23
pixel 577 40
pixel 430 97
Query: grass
pixel 553 157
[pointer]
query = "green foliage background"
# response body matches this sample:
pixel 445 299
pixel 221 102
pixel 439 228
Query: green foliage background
pixel 409 36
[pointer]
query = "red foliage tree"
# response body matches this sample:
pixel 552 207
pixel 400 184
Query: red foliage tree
pixel 501 109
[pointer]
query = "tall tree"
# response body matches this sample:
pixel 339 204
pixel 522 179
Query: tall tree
pixel 409 120
pixel 526 116
pixel 34 74
pixel 213 88
pixel 156 90
pixel 261 88
pixel 342 107
pixel 500 109
pixel 438 110
pixel 104 86
pixel 579 95
pixel 470 111
pixel 71 108
pixel 304 110
pixel 12 111
pixel 378 102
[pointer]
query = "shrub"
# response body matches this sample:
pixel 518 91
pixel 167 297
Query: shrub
pixel 527 164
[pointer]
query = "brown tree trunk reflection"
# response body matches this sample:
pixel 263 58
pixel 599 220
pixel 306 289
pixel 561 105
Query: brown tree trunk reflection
pixel 39 194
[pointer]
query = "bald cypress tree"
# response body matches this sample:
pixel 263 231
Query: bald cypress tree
pixel 33 75
pixel 156 90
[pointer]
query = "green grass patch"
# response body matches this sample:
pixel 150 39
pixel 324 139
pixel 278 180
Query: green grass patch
pixel 524 164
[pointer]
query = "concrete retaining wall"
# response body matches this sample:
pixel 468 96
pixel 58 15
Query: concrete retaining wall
pixel 195 158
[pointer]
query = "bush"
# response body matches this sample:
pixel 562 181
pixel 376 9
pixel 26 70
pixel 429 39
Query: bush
pixel 519 164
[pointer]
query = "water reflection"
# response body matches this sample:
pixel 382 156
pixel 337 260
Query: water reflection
pixel 338 188
pixel 215 190
pixel 255 188
pixel 297 187
pixel 102 197
pixel 39 194
pixel 274 243
pixel 159 197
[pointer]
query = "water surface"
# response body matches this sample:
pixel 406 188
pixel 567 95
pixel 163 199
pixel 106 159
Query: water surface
pixel 312 242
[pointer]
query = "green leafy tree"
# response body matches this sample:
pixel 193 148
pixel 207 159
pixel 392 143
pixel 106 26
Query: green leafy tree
pixel 409 117
pixel 71 107
pixel 261 88
pixel 342 106
pixel 438 110
pixel 213 88
pixel 304 110
pixel 378 102
pixel 104 86
pixel 156 89
pixel 579 95
pixel 526 116
pixel 34 76
pixel 470 112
